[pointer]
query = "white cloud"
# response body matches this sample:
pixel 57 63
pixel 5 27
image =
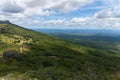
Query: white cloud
pixel 41 6
pixel 22 12
pixel 58 22
pixel 18 10
pixel 70 5
pixel 78 20
pixel 84 22
pixel 107 13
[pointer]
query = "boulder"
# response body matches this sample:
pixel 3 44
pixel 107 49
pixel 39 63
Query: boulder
pixel 11 54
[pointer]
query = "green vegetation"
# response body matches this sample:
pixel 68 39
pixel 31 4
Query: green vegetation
pixel 108 42
pixel 48 58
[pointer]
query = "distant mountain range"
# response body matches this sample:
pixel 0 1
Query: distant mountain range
pixel 4 22
pixel 81 31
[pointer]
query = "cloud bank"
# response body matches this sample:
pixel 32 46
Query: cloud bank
pixel 43 13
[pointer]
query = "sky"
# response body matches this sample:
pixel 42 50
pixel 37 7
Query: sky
pixel 62 14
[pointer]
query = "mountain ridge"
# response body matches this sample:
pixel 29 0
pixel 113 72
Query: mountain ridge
pixel 45 57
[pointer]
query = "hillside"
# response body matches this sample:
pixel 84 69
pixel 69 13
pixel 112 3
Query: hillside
pixel 45 57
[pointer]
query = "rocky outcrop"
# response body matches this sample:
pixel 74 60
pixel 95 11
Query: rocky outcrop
pixel 2 28
pixel 11 54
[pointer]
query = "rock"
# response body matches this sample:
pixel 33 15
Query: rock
pixel 11 54
pixel 54 57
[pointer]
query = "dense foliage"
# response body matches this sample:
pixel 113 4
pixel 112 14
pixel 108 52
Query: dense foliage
pixel 48 58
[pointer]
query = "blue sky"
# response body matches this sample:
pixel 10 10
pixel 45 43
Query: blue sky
pixel 72 14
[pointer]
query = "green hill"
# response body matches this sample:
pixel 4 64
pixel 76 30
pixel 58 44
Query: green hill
pixel 45 57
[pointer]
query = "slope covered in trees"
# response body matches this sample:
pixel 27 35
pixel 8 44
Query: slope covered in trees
pixel 44 57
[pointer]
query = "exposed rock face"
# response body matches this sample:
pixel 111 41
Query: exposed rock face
pixel 11 54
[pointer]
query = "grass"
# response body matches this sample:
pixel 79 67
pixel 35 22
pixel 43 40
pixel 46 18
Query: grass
pixel 75 61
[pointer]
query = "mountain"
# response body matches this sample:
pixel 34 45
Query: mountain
pixel 108 32
pixel 27 54
pixel 104 39
pixel 4 22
